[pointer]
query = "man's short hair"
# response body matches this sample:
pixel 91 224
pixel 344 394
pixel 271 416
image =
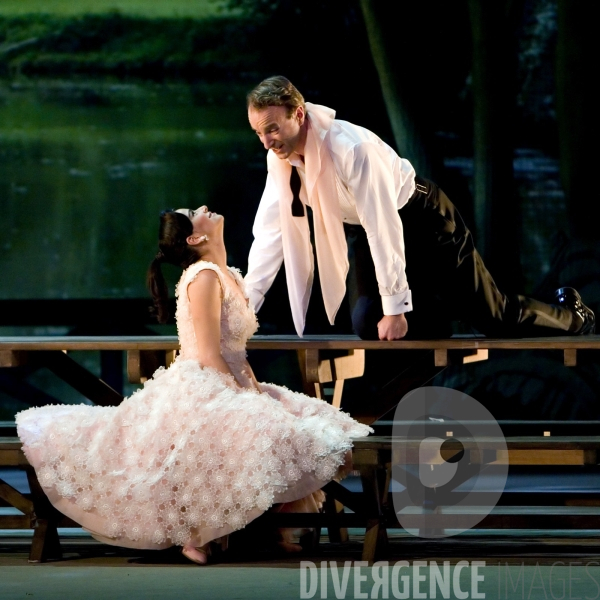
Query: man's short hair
pixel 275 91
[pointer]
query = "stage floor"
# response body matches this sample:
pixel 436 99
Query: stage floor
pixel 539 564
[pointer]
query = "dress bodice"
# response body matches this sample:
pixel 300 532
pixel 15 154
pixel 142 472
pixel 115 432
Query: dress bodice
pixel 238 320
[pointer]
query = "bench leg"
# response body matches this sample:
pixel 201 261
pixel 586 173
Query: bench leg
pixel 310 540
pixel 337 393
pixel 374 480
pixel 45 543
pixel 317 370
pixel 337 534
pixel 308 361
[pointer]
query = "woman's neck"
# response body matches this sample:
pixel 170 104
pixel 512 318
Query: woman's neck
pixel 216 254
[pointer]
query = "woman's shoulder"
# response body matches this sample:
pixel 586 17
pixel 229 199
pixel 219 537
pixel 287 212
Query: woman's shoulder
pixel 191 273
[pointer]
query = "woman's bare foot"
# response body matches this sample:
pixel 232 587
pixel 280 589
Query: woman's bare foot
pixel 197 555
pixel 289 547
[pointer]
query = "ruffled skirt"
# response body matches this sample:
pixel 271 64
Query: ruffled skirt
pixel 185 459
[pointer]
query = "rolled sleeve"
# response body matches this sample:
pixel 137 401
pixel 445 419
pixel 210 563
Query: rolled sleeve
pixel 374 189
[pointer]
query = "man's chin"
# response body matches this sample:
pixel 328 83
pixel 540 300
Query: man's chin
pixel 282 154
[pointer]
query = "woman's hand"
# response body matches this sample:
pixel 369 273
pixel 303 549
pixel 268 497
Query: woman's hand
pixel 256 384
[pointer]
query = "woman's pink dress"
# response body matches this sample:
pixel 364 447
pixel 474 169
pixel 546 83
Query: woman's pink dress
pixel 187 458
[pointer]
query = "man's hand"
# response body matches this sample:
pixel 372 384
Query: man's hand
pixel 392 327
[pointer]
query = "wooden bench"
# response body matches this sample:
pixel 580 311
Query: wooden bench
pixel 37 512
pixel 570 510
pixel 374 458
pixel 317 365
pixel 322 360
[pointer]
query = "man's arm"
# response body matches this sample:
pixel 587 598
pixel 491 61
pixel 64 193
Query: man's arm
pixel 375 190
pixel 392 327
pixel 266 253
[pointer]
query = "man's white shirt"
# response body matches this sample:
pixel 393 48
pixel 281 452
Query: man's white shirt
pixel 372 184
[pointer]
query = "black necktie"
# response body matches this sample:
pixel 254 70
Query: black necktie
pixel 295 183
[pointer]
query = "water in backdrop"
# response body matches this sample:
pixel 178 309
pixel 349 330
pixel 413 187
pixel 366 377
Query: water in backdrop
pixel 86 166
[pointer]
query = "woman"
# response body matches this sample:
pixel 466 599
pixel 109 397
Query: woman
pixel 203 448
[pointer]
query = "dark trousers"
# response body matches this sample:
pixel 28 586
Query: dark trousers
pixel 447 277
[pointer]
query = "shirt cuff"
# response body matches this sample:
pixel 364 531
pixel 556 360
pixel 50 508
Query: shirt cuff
pixel 397 304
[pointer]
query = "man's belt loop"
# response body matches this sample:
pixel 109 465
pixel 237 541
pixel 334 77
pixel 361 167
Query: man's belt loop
pixel 419 187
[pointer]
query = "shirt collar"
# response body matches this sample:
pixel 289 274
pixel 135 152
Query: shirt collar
pixel 295 161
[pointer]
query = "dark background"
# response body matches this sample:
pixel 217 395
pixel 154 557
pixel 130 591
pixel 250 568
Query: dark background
pixel 491 100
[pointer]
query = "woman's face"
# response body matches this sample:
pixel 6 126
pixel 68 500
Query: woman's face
pixel 203 221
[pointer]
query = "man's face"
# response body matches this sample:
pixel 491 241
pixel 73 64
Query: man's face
pixel 278 132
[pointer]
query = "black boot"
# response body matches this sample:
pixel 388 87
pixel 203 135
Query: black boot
pixel 584 320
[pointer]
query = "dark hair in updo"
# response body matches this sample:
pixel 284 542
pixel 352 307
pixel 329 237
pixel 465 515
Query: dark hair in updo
pixel 173 232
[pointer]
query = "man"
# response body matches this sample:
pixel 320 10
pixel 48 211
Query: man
pixel 402 228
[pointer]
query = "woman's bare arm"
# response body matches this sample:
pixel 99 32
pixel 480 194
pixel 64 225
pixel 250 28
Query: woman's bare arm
pixel 250 372
pixel 205 305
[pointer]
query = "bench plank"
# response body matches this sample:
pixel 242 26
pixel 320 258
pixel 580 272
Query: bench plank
pixel 287 342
